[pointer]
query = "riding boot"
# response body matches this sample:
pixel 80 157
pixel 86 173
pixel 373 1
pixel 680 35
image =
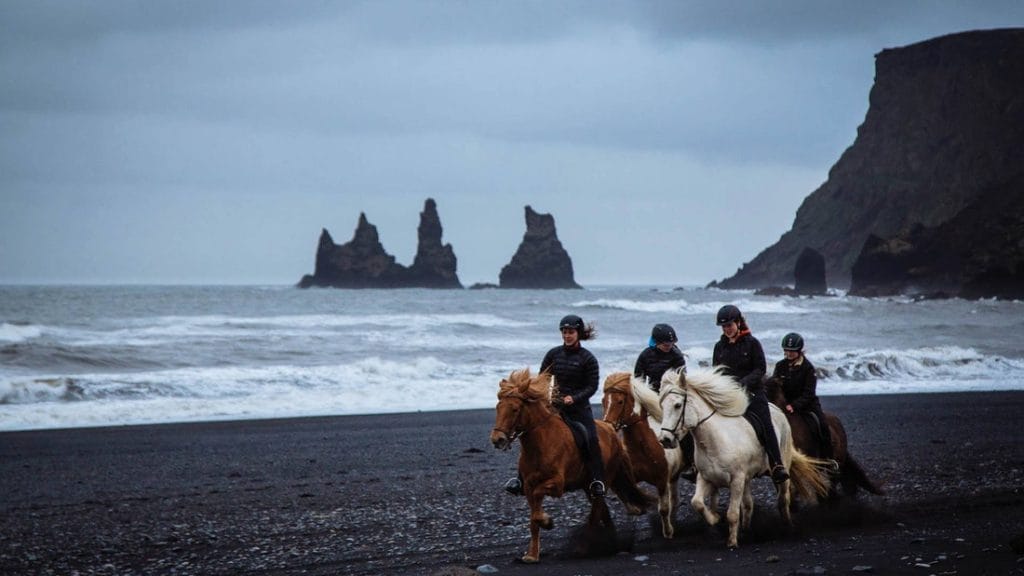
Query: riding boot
pixel 771 440
pixel 596 467
pixel 689 471
pixel 771 448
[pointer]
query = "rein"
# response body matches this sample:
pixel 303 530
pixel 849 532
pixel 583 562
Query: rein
pixel 682 413
pixel 515 434
pixel 620 424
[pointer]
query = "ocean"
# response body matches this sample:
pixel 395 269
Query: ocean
pixel 74 356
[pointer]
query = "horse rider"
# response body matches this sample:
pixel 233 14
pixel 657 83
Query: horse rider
pixel 799 384
pixel 742 356
pixel 575 371
pixel 660 355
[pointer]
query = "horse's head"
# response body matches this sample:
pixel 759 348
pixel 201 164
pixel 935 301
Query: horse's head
pixel 620 410
pixel 674 405
pixel 518 396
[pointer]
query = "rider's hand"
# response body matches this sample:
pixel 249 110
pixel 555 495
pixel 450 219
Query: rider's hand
pixel 789 408
pixel 567 400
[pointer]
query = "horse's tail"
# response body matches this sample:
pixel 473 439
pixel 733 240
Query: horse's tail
pixel 853 476
pixel 810 476
pixel 625 487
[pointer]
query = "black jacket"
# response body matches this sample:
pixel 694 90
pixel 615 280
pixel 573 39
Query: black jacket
pixel 799 385
pixel 744 359
pixel 652 363
pixel 576 374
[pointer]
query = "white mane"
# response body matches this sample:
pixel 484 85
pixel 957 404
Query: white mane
pixel 719 390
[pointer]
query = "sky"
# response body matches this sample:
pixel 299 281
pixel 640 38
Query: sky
pixel 208 142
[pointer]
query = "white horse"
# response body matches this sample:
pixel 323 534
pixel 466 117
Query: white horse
pixel 710 405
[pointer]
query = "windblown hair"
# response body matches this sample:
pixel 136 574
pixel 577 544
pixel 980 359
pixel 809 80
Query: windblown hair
pixel 718 389
pixel 530 387
pixel 589 332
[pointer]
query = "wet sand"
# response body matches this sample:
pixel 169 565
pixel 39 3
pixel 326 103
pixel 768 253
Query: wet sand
pixel 421 494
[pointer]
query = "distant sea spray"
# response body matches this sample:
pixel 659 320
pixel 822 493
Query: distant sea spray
pixel 88 356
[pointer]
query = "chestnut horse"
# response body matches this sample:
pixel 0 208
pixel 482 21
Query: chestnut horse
pixel 651 462
pixel 710 406
pixel 550 463
pixel 850 475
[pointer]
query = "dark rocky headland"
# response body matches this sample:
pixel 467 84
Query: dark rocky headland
pixel 930 196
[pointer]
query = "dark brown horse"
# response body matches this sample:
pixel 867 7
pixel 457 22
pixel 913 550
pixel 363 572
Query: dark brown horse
pixel 550 463
pixel 850 474
pixel 651 462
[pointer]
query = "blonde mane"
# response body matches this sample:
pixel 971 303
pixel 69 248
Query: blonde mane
pixel 646 398
pixel 718 389
pixel 523 383
pixel 622 383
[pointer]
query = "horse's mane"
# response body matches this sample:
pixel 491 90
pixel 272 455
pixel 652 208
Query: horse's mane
pixel 718 389
pixel 523 383
pixel 622 382
pixel 646 398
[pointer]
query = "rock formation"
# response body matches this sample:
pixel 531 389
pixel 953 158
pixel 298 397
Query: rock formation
pixel 809 274
pixel 945 125
pixel 978 253
pixel 540 261
pixel 434 265
pixel 808 277
pixel 363 262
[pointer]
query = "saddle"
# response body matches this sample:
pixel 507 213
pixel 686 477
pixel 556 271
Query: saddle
pixel 579 434
pixel 757 425
pixel 815 426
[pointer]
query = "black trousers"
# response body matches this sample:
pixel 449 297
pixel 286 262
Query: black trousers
pixel 826 434
pixel 585 416
pixel 759 407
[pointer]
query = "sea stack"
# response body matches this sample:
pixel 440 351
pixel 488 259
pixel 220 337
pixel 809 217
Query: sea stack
pixel 363 263
pixel 540 261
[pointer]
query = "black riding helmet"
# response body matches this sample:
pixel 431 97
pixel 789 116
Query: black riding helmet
pixel 728 313
pixel 663 333
pixel 793 341
pixel 571 321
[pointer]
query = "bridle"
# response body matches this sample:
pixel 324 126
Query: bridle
pixel 515 434
pixel 620 424
pixel 682 413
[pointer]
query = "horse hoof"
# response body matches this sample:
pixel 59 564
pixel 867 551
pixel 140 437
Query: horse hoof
pixel 530 559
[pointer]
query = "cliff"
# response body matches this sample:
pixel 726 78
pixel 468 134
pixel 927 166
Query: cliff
pixel 945 126
pixel 363 263
pixel 540 261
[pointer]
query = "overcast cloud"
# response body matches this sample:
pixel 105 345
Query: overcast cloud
pixel 209 142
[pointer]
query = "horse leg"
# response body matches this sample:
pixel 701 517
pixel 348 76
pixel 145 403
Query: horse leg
pixel 737 489
pixel 748 508
pixel 538 519
pixel 785 500
pixel 665 508
pixel 703 490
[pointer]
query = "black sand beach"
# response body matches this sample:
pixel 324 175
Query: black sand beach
pixel 421 494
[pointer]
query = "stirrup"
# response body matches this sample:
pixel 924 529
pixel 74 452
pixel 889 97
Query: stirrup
pixel 597 489
pixel 514 487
